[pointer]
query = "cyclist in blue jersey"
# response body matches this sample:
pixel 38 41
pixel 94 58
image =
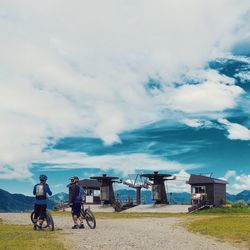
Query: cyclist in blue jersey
pixel 76 196
pixel 40 191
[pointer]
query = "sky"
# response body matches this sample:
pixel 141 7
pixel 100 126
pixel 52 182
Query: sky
pixel 122 87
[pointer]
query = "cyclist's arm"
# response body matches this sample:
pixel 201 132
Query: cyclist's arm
pixel 34 190
pixel 48 190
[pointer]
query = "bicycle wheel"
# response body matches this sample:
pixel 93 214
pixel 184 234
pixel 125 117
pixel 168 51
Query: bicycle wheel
pixel 32 217
pixel 90 218
pixel 49 222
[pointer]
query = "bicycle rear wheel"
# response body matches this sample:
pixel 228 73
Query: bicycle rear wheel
pixel 32 217
pixel 47 223
pixel 90 218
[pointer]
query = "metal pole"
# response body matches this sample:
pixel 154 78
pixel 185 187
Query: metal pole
pixel 138 195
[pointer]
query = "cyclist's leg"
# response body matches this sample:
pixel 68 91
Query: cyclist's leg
pixel 74 213
pixel 36 214
pixel 79 207
pixel 42 214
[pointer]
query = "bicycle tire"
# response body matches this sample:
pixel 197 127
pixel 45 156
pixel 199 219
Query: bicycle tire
pixel 47 223
pixel 32 217
pixel 90 219
pixel 50 222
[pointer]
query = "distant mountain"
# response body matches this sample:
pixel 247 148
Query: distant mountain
pixel 242 196
pixel 146 196
pixel 180 198
pixel 59 198
pixel 18 202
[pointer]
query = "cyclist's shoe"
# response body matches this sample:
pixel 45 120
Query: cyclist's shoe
pixel 75 227
pixel 40 227
pixel 81 226
pixel 35 227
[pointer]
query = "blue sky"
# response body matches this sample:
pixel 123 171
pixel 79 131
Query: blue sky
pixel 123 88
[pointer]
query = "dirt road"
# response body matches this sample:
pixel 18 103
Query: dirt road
pixel 125 234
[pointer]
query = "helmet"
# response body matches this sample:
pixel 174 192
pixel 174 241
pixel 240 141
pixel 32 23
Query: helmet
pixel 72 179
pixel 43 177
pixel 76 179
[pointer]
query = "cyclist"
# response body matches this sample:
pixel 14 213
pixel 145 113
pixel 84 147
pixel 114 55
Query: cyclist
pixel 76 196
pixel 40 191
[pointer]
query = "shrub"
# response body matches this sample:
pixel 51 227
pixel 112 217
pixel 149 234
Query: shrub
pixel 239 204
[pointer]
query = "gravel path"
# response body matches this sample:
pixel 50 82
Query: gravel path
pixel 125 234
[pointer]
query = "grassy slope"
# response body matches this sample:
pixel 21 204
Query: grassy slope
pixel 22 237
pixel 227 224
pixel 231 228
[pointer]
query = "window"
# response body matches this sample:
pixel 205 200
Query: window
pixel 89 192
pixel 199 190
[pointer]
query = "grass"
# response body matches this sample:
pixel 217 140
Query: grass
pixel 232 228
pixel 23 237
pixel 222 210
pixel 107 215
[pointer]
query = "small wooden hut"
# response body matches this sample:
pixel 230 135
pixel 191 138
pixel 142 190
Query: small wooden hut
pixel 207 190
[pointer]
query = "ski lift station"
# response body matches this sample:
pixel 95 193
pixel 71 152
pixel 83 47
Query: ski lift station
pixel 205 191
pixel 107 195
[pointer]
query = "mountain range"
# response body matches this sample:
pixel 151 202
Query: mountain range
pixel 19 202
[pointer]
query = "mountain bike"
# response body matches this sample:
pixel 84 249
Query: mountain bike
pixel 48 222
pixel 88 216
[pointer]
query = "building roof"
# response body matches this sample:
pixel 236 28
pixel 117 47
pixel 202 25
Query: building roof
pixel 88 183
pixel 201 179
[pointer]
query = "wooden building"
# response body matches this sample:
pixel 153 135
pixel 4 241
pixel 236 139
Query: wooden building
pixel 207 190
pixel 92 188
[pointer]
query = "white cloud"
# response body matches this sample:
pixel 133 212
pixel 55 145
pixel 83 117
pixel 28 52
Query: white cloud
pixel 235 130
pixel 238 183
pixel 229 174
pixel 209 96
pixel 196 123
pixel 123 163
pixel 179 184
pixel 79 68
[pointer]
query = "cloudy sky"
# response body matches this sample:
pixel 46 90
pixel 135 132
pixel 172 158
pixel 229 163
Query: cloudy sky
pixel 124 86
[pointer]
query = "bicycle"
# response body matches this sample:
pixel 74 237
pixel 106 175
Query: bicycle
pixel 48 222
pixel 89 217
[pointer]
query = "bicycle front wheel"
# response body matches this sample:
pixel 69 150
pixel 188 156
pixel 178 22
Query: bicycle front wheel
pixel 50 222
pixel 90 219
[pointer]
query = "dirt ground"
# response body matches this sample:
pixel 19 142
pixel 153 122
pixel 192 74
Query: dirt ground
pixel 125 234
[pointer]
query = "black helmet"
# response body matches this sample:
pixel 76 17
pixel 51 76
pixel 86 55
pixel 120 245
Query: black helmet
pixel 43 178
pixel 74 179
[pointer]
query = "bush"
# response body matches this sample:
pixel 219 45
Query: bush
pixel 240 204
pixel 228 205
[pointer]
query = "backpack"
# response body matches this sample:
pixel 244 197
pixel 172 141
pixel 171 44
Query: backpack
pixel 81 193
pixel 40 192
